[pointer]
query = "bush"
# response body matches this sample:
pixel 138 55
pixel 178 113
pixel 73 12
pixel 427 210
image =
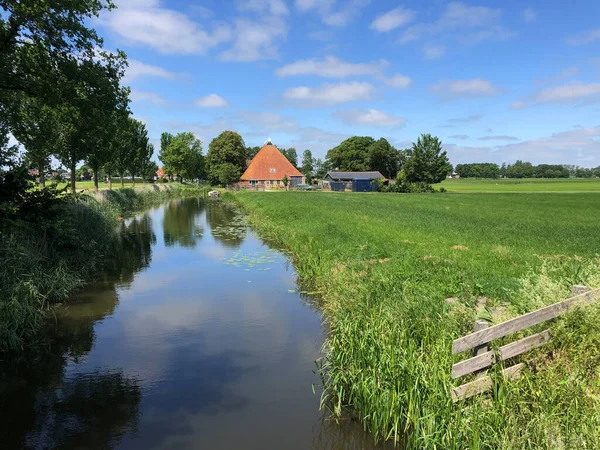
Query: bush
pixel 405 187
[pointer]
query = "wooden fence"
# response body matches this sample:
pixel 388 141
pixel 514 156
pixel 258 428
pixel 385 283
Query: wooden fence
pixel 483 358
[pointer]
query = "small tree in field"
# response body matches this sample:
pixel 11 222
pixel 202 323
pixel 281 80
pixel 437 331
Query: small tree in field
pixel 426 161
pixel 286 181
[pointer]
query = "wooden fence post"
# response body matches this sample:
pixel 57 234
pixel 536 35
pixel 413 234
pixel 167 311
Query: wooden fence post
pixel 480 325
pixel 480 349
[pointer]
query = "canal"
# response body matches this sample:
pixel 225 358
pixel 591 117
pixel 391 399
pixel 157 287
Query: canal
pixel 194 336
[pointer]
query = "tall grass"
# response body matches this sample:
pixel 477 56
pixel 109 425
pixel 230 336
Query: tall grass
pixel 43 261
pixel 401 277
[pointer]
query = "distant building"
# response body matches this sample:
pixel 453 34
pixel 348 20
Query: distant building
pixel 352 176
pixel 269 167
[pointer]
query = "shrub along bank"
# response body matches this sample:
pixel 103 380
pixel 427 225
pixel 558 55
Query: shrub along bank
pixel 50 243
pixel 402 276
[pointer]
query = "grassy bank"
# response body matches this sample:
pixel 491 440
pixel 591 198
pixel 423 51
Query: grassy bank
pixel 49 246
pixel 401 276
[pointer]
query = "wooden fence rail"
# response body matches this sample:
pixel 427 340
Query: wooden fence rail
pixel 483 335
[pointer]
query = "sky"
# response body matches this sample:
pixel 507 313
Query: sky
pixel 496 81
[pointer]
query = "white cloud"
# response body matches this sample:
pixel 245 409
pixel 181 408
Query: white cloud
pixel 144 22
pixel 497 33
pixel 329 94
pixel 205 131
pixel 138 69
pixel 458 18
pixel 578 146
pixel 499 138
pixel 567 73
pixel 255 40
pixel 572 93
pixel 459 137
pixel 585 37
pixel 320 35
pixel 529 15
pixel 475 87
pixel 331 13
pixel 268 121
pixel 398 81
pixel 273 7
pixel 469 119
pixel 212 101
pixel 331 67
pixel 393 19
pixel 318 140
pixel 142 96
pixel 434 51
pixel 368 117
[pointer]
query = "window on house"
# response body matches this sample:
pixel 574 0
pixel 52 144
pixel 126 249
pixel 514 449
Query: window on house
pixel 272 169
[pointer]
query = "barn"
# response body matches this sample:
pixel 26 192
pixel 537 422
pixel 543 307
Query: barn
pixel 268 168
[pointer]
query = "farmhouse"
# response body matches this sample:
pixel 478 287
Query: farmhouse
pixel 268 169
pixel 347 177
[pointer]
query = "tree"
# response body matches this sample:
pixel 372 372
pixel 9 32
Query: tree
pixel 123 152
pixel 148 171
pixel 351 155
pixel 226 158
pixel 165 140
pixel 45 45
pixel 224 174
pixel 321 168
pixel 142 151
pixel 291 155
pixel 383 158
pixel 92 98
pixel 426 162
pixel 184 156
pixel 252 151
pixel 307 165
pixel 285 180
pixel 478 170
pixel 54 30
pixel 37 127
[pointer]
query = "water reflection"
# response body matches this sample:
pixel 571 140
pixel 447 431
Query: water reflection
pixel 180 223
pixel 225 226
pixel 43 407
pixel 175 346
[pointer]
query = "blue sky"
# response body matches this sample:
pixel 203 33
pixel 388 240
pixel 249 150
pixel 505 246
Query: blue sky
pixel 496 81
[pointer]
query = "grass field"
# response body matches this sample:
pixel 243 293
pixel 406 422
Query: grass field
pixel 384 265
pixel 466 185
pixel 88 185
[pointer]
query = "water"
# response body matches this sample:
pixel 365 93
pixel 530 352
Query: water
pixel 195 336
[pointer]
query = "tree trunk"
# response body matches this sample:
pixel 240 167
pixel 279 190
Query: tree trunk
pixel 73 177
pixel 42 174
pixel 122 182
pixel 133 180
pixel 96 179
pixel 110 182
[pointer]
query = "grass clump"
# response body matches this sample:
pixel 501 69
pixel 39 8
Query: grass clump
pixel 400 277
pixel 50 243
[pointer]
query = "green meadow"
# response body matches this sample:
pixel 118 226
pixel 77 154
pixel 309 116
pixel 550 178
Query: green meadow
pixel 466 185
pixel 400 276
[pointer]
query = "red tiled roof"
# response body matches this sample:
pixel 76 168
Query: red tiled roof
pixel 269 164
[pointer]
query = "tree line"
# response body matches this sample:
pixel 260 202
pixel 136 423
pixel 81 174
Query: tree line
pixel 61 95
pixel 524 169
pixel 424 162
